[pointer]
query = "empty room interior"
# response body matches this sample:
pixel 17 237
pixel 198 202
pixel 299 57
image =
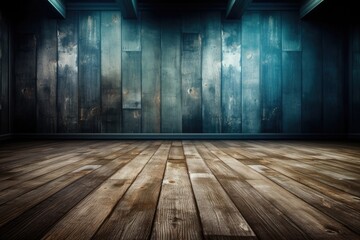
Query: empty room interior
pixel 180 119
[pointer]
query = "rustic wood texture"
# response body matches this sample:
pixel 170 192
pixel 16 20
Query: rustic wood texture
pixel 312 79
pixel 67 70
pixel 180 190
pixel 250 74
pixel 25 83
pixel 270 49
pixel 171 122
pixel 150 73
pixel 4 76
pixel 110 72
pixel 211 73
pixel 193 72
pixel 46 77
pixel 231 77
pixel 89 72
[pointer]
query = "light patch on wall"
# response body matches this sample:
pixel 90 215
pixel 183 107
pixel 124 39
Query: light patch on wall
pixel 232 56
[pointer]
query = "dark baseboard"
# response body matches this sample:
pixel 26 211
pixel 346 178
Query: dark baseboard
pixel 181 136
pixel 5 137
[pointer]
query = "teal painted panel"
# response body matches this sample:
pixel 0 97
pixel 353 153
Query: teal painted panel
pixel 171 120
pixel 311 78
pixel 291 31
pixel 191 83
pixel 46 77
pixel 333 83
pixel 111 72
pixel 355 90
pixel 251 96
pixel 130 34
pixel 131 120
pixel 271 120
pixel 89 72
pixel 150 69
pixel 67 79
pixel 291 91
pixel 211 73
pixel 231 77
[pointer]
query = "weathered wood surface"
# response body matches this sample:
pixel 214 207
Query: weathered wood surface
pixel 4 76
pixel 89 72
pixel 46 77
pixel 250 73
pixel 180 190
pixel 183 73
pixel 171 121
pixel 110 72
pixel 231 107
pixel 67 79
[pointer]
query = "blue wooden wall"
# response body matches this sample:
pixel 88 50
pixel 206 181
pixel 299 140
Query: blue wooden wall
pixel 269 72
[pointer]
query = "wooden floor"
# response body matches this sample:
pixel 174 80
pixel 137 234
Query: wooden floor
pixel 179 190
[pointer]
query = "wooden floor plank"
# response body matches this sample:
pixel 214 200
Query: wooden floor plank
pixel 176 216
pixel 35 222
pixel 134 214
pixel 84 220
pixel 265 219
pixel 218 189
pixel 219 216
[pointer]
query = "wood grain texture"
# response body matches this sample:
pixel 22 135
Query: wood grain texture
pixel 130 34
pixel 219 216
pixel 333 72
pixel 191 93
pixel 291 91
pixel 311 103
pixel 211 73
pixel 131 80
pixel 291 31
pixel 231 77
pixel 271 72
pixel 25 83
pixel 46 77
pixel 180 189
pixel 250 74
pixel 89 72
pixel 135 220
pixel 176 215
pixel 171 122
pixel 111 72
pixel 67 79
pixel 150 72
pixel 4 76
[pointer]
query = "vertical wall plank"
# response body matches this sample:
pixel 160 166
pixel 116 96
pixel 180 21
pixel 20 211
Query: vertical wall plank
pixel 150 112
pixel 131 38
pixel 354 76
pixel 131 75
pixel 355 110
pixel 191 83
pixel 4 77
pixel 89 71
pixel 131 91
pixel 67 88
pixel 111 71
pixel 231 77
pixel 47 76
pixel 291 31
pixel 25 83
pixel 171 121
pixel 333 75
pixel 291 91
pixel 311 78
pixel 211 73
pixel 271 72
pixel 251 98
